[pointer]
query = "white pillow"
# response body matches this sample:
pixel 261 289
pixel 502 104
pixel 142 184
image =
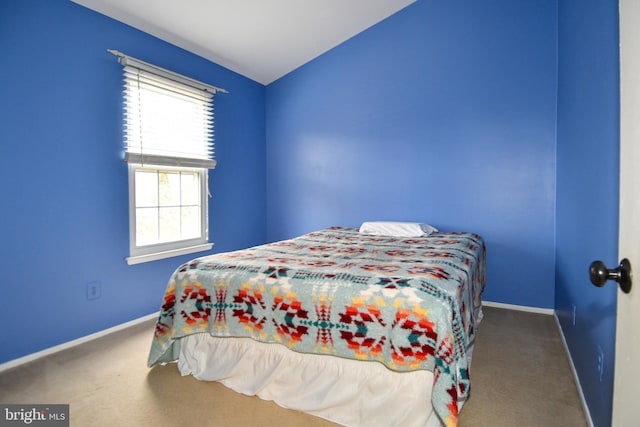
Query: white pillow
pixel 396 229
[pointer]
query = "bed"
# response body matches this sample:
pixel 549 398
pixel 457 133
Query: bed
pixel 356 328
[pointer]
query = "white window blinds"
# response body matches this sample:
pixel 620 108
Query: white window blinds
pixel 168 117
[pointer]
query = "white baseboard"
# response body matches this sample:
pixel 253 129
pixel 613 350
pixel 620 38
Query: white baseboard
pixel 548 311
pixel 585 408
pixel 64 346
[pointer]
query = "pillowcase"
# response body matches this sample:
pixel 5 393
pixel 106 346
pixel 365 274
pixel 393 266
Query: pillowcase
pixel 396 228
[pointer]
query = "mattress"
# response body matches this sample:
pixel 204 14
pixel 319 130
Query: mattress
pixel 408 306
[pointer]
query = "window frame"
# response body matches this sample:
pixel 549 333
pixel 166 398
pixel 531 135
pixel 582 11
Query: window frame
pixel 146 253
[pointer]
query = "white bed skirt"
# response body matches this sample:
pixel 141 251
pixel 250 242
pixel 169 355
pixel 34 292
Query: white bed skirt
pixel 343 391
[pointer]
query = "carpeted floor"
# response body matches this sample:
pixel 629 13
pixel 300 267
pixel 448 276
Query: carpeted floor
pixel 520 377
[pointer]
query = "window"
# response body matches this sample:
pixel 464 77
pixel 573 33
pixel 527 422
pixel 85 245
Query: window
pixel 168 121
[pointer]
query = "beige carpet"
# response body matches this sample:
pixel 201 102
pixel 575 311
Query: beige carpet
pixel 520 377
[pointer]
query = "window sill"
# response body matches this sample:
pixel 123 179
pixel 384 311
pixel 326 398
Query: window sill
pixel 139 259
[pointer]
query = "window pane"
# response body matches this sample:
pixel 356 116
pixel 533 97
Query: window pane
pixel 190 189
pixel 169 224
pixel 190 222
pixel 169 205
pixel 146 226
pixel 146 188
pixel 169 188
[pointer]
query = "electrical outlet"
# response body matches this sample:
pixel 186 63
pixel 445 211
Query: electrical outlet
pixel 600 363
pixel 94 290
pixel 574 315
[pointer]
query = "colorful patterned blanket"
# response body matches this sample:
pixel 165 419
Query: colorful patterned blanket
pixel 407 303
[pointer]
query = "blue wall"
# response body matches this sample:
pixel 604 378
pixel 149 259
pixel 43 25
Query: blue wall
pixel 443 113
pixel 587 189
pixel 64 216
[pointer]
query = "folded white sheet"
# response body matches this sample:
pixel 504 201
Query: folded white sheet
pixel 397 228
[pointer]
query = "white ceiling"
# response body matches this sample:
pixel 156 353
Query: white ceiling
pixel 260 39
